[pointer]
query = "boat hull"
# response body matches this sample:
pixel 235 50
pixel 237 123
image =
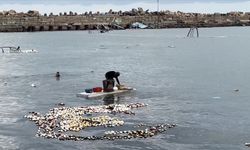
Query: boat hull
pixel 102 94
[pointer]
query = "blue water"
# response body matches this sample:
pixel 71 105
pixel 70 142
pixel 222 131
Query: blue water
pixel 186 81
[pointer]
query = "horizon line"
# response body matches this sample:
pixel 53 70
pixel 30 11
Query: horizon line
pixel 195 7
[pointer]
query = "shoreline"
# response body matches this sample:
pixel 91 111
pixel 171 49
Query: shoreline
pixel 33 21
pixel 129 29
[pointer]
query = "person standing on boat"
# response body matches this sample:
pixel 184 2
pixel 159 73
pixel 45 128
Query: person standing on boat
pixel 109 83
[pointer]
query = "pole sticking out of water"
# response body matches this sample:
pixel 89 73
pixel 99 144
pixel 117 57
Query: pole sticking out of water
pixel 192 31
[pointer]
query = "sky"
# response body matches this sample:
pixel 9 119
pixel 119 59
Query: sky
pixel 81 6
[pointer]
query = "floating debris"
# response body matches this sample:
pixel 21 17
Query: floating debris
pixel 61 104
pixel 141 125
pixel 115 135
pixel 112 135
pixel 216 97
pixel 247 144
pixel 171 46
pixel 59 120
pixel 33 85
pixel 236 90
pixel 148 132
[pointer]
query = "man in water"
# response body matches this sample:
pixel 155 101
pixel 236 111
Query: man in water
pixel 109 83
pixel 57 76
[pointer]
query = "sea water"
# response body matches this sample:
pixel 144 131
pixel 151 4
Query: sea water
pixel 187 81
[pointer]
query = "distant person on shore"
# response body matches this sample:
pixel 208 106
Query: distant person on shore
pixel 18 48
pixel 109 83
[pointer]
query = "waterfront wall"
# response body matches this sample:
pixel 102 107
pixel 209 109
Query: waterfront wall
pixel 32 21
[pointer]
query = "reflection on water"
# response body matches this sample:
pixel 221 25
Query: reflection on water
pixel 111 99
pixel 58 78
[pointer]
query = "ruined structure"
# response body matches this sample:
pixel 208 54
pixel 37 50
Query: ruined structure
pixel 11 21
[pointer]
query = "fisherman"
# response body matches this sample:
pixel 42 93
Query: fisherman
pixel 109 83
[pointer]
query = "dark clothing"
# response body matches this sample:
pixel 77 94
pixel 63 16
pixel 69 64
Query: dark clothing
pixel 108 85
pixel 111 75
pixel 57 74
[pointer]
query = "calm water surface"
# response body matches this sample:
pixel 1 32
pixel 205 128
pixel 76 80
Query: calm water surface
pixel 187 81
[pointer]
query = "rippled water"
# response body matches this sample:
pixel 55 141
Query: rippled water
pixel 187 81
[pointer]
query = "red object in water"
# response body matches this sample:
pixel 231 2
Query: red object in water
pixel 97 89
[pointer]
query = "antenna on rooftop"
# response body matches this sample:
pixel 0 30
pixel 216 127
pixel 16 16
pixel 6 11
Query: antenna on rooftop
pixel 158 19
pixel 158 1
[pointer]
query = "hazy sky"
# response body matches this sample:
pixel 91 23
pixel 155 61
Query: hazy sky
pixel 80 6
